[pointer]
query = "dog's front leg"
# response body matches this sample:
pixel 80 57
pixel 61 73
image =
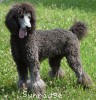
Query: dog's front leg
pixel 37 86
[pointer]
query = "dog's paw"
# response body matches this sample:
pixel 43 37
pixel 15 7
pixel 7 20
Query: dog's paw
pixel 22 86
pixel 28 85
pixel 37 87
pixel 59 73
pixel 85 80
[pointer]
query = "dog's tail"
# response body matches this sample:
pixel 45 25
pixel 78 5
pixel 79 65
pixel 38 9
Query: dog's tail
pixel 80 29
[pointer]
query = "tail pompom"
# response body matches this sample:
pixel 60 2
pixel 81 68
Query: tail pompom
pixel 79 29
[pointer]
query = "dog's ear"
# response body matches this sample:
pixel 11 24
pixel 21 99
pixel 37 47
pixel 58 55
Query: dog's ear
pixel 33 22
pixel 33 17
pixel 11 21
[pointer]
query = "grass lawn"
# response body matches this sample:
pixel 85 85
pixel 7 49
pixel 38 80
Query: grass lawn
pixel 52 14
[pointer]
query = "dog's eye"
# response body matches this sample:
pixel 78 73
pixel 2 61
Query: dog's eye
pixel 22 16
pixel 29 17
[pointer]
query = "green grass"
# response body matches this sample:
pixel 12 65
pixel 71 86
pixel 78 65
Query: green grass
pixel 52 14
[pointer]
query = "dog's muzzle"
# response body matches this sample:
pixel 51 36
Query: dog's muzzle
pixel 25 25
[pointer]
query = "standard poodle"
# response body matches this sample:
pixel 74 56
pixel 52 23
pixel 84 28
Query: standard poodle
pixel 30 46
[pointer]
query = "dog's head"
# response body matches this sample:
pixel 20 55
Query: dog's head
pixel 20 20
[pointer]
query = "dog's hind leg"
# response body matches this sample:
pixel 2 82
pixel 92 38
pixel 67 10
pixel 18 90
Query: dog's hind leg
pixel 54 63
pixel 73 58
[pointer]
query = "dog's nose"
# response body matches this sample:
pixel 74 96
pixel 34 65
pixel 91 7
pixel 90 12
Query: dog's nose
pixel 28 25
